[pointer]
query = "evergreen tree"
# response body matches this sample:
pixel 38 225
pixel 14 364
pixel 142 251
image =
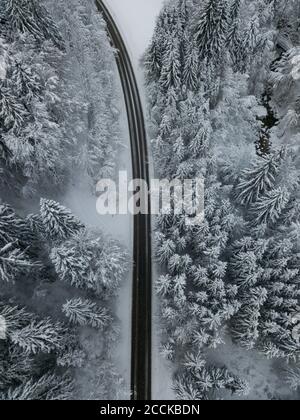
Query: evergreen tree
pixel 171 66
pixel 191 67
pixel 88 261
pixel 15 367
pixel 250 41
pixel 47 388
pixel 205 382
pixel 15 230
pixel 259 179
pixel 245 327
pixel 211 28
pixel 75 358
pixel 29 16
pixel 12 113
pixel 13 262
pixel 263 319
pixel 268 209
pixel 86 312
pixel 285 91
pixel 39 336
pixel 293 378
pixel 165 249
pixel 70 266
pixel 24 374
pixel 50 113
pixel 91 126
pixel 26 83
pixel 30 128
pixel 14 317
pixel 235 35
pixel 287 22
pixel 152 59
pixel 58 222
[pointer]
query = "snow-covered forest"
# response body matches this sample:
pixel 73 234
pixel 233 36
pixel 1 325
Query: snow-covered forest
pixel 59 277
pixel 223 90
pixel 223 94
pixel 59 104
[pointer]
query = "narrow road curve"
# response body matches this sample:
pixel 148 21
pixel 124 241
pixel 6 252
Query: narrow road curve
pixel 142 271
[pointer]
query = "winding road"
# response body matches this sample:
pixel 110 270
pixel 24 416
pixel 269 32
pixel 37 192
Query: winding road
pixel 142 271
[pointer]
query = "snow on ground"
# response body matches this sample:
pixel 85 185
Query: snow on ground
pixel 82 201
pixel 265 377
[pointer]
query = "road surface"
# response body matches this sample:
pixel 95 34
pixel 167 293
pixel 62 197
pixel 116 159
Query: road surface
pixel 142 271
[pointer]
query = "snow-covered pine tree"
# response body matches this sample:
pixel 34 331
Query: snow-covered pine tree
pixel 58 222
pixel 207 382
pixel 234 34
pixel 3 58
pixel 8 222
pixel 17 246
pixel 250 43
pixel 47 388
pixel 26 341
pixel 152 59
pixel 39 336
pixel 12 113
pixel 171 66
pixel 165 248
pixel 15 366
pixel 184 9
pixel 13 263
pixel 174 32
pixel 89 261
pixel 293 378
pixel 285 93
pixel 27 84
pixel 269 208
pixel 196 129
pixel 286 17
pixel 245 326
pixel 18 15
pixel 259 179
pixel 251 39
pixel 211 29
pixel 70 266
pixel 29 16
pixel 190 75
pixel 265 271
pixel 195 300
pixel 72 357
pixel 30 115
pixel 85 312
pixel 14 229
pixel 90 118
pixel 14 318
